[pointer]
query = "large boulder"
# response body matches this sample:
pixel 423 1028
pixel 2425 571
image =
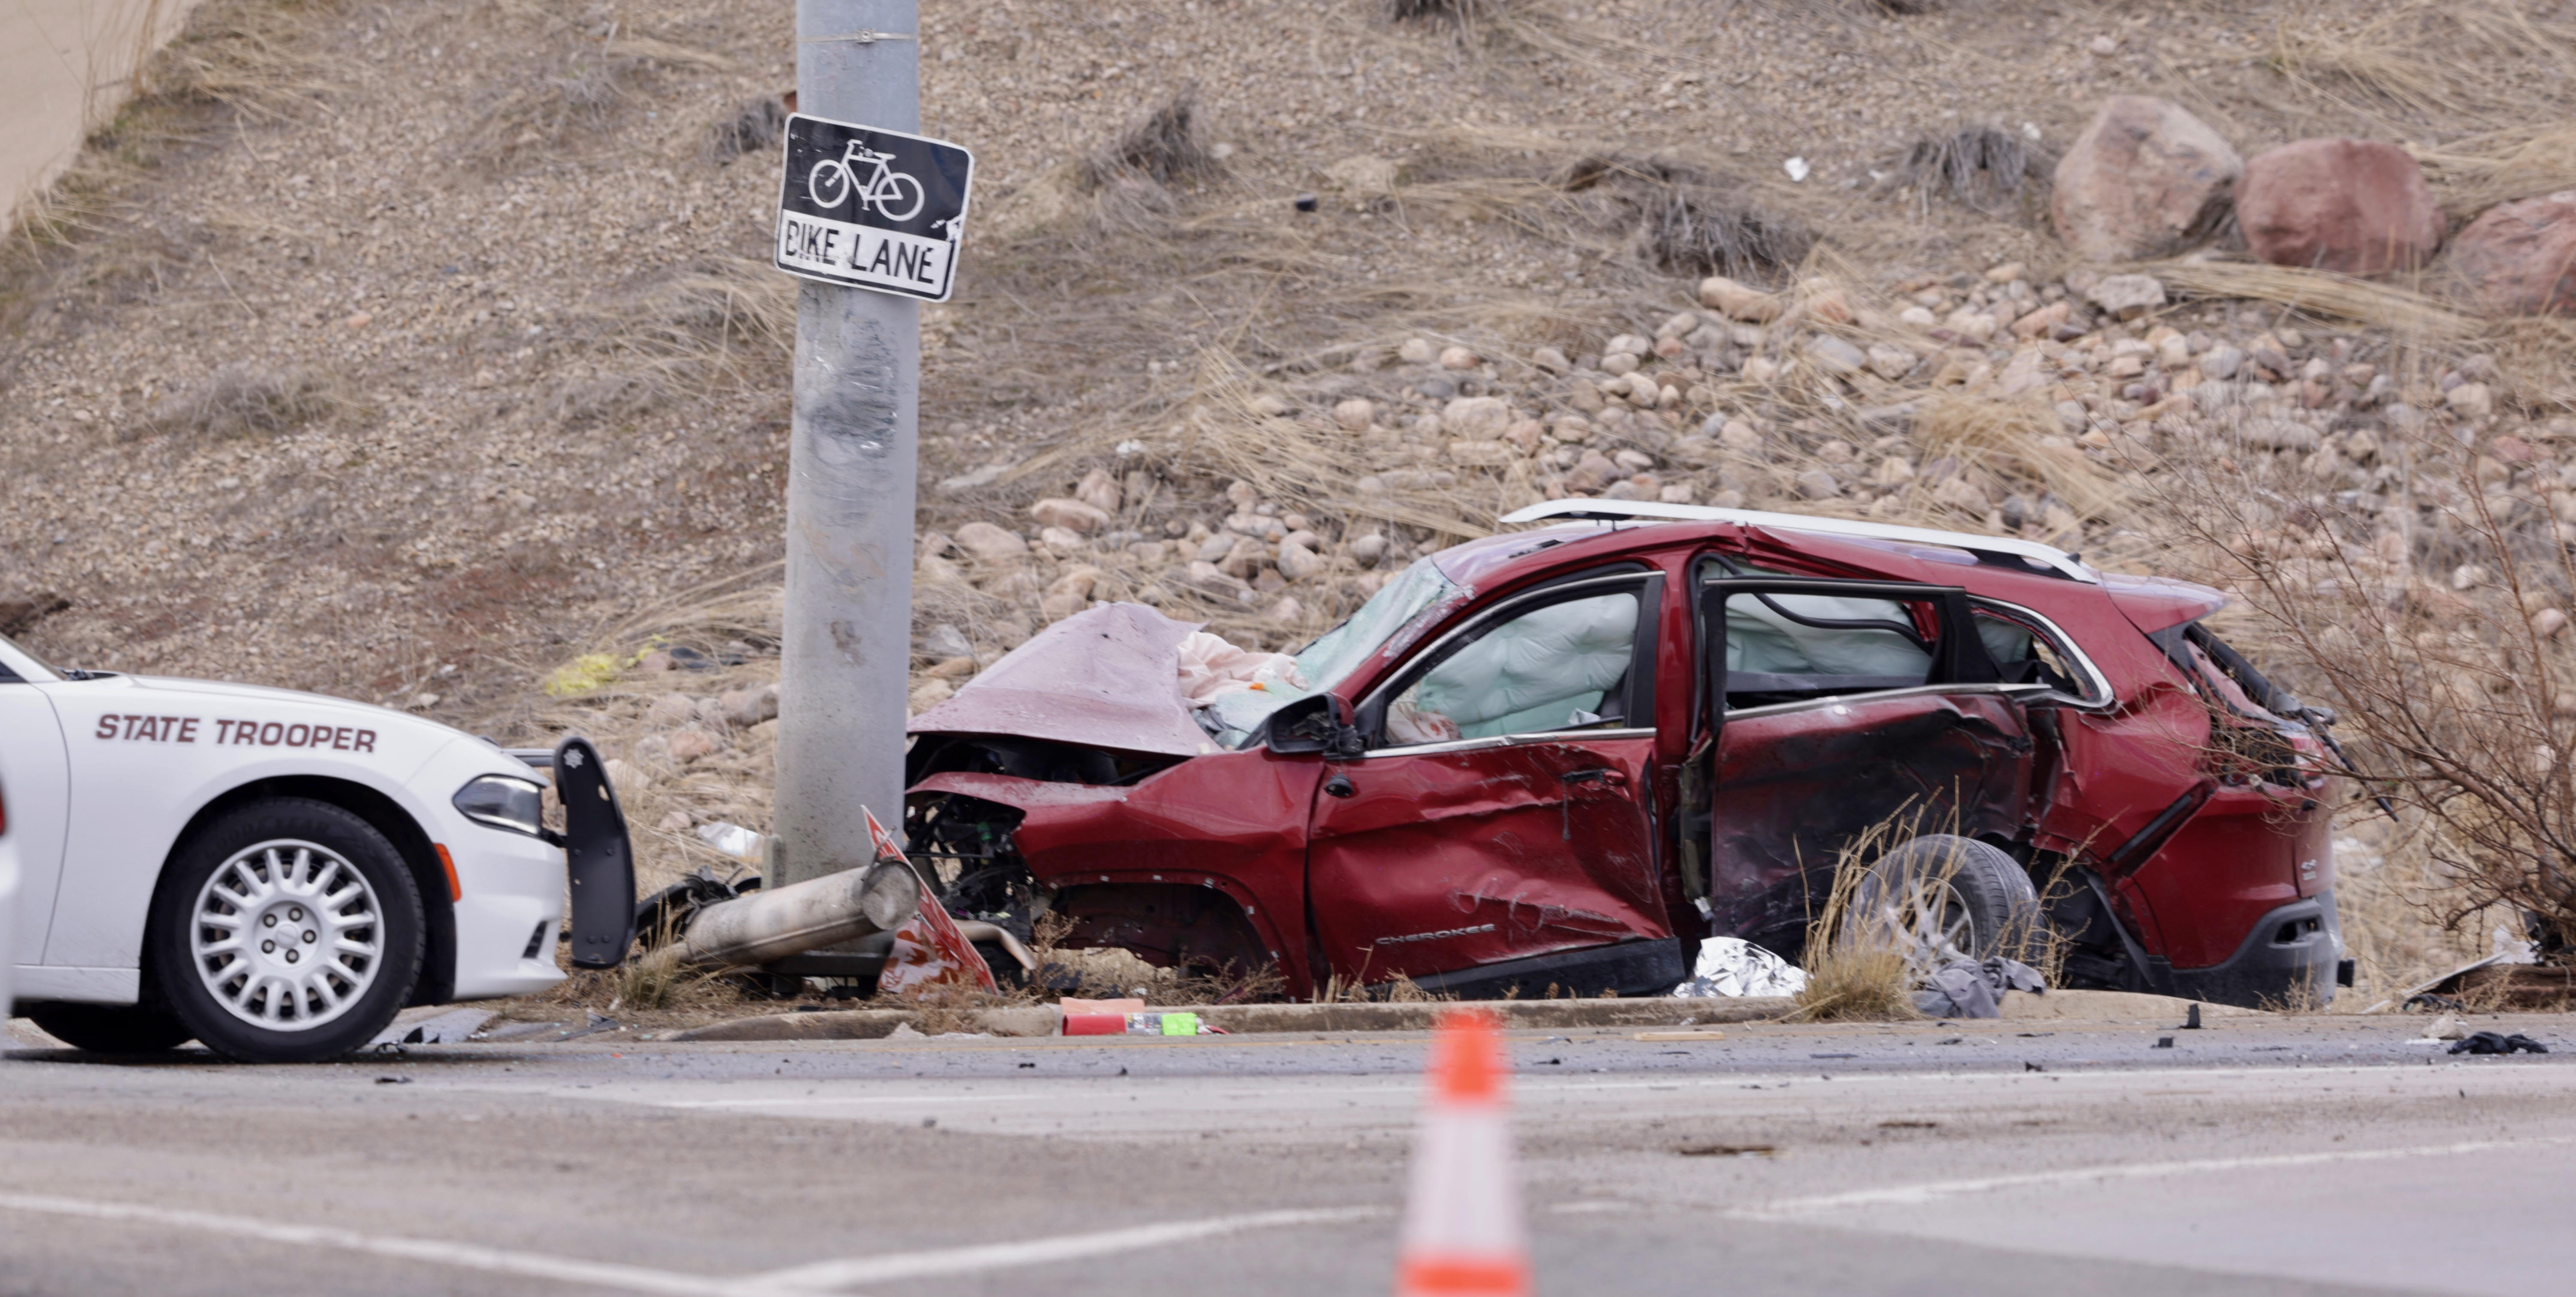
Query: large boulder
pixel 2359 207
pixel 2520 257
pixel 2144 180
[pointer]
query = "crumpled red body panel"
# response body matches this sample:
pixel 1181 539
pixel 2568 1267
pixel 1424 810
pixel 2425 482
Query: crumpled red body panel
pixel 1107 677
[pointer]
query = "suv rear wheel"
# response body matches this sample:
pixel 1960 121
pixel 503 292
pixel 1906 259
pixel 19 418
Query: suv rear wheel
pixel 287 932
pixel 1946 897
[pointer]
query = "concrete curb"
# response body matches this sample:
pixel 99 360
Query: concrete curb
pixel 1258 1019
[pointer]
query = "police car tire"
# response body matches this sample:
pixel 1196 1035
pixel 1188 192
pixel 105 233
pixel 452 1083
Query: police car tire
pixel 112 1028
pixel 399 938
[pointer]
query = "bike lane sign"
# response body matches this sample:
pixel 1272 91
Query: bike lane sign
pixel 870 208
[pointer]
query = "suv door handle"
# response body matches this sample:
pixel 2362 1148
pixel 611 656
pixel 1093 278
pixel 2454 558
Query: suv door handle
pixel 1602 775
pixel 1339 786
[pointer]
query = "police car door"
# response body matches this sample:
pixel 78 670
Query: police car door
pixel 35 778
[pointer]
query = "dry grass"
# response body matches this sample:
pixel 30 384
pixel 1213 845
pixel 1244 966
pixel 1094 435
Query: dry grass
pixel 2474 174
pixel 2391 307
pixel 589 71
pixel 1858 965
pixel 255 56
pixel 713 325
pixel 242 399
pixel 2019 442
pixel 2426 60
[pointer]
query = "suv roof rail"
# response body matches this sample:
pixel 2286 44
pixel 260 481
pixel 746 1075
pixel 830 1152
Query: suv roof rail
pixel 2001 550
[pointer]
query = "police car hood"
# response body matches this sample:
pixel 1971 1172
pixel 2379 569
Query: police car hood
pixel 264 693
pixel 304 704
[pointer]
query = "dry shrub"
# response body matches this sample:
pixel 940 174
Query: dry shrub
pixel 239 400
pixel 1450 11
pixel 1985 168
pixel 1694 231
pixel 1860 965
pixel 540 111
pixel 753 127
pixel 1162 146
pixel 1689 222
pixel 2434 626
pixel 607 398
pixel 19 612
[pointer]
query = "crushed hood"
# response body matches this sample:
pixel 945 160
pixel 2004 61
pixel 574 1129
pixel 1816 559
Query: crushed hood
pixel 1108 677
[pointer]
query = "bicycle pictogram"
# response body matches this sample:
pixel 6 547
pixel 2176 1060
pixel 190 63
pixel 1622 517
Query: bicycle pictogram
pixel 894 195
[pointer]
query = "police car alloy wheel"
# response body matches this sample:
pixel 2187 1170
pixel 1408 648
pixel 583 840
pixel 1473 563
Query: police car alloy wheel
pixel 288 931
pixel 284 935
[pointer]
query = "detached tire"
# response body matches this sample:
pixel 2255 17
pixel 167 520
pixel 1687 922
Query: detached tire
pixel 112 1028
pixel 287 932
pixel 1950 897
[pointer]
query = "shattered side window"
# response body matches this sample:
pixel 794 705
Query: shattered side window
pixel 1339 651
pixel 1561 666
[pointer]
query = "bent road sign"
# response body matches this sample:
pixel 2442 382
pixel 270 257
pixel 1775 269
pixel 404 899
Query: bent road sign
pixel 872 209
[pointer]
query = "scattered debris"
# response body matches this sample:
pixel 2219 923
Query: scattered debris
pixel 736 841
pixel 1728 1150
pixel 523 1031
pixel 1731 966
pixel 2489 1042
pixel 1695 1033
pixel 1962 989
pixel 599 1022
pixel 435 1027
pixel 1170 1023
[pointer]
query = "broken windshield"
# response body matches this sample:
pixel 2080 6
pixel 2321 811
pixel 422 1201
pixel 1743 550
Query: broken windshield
pixel 1414 596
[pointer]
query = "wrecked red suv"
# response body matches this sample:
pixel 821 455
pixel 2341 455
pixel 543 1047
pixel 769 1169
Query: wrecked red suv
pixel 1560 758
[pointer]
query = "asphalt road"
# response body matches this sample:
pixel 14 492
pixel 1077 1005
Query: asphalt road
pixel 2272 1156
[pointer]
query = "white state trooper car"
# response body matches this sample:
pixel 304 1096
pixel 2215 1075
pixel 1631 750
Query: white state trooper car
pixel 276 874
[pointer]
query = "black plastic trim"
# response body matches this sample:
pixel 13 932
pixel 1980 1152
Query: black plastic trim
pixel 598 856
pixel 1649 967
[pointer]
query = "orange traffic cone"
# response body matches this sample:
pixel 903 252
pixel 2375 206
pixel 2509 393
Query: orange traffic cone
pixel 1462 1222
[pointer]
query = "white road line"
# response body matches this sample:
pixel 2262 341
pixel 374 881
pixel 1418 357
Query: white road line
pixel 1915 1194
pixel 800 1281
pixel 803 1100
pixel 827 1276
pixel 600 1274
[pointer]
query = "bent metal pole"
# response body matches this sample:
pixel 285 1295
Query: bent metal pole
pixel 848 643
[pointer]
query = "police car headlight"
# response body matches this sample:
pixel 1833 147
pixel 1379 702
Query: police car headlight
pixel 504 803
